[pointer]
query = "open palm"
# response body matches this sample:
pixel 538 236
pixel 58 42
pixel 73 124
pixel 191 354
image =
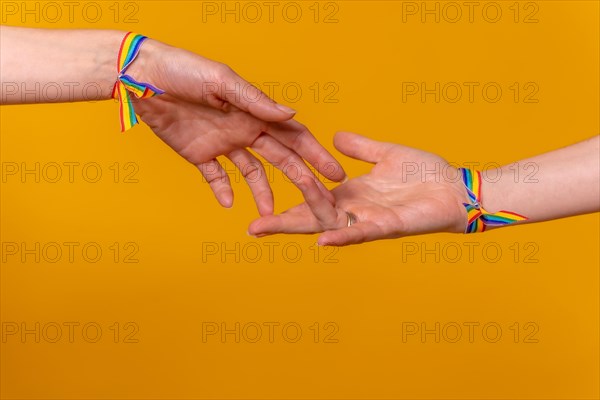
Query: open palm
pixel 397 198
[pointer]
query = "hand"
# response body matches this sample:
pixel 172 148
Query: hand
pixel 389 202
pixel 208 111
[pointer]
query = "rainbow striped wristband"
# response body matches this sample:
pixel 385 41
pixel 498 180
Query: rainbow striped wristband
pixel 477 217
pixel 130 47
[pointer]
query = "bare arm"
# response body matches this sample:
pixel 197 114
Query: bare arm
pixel 47 65
pixel 566 182
pixel 387 203
pixel 207 109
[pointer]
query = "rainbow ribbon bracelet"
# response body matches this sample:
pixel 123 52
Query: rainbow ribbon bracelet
pixel 477 217
pixel 130 47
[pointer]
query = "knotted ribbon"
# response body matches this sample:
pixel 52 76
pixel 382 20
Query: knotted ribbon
pixel 130 47
pixel 477 217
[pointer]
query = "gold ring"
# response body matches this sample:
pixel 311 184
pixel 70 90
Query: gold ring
pixel 351 218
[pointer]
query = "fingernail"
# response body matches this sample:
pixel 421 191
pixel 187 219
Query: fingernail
pixel 346 179
pixel 249 234
pixel 285 109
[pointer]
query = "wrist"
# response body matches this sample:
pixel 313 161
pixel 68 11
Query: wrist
pixel 494 191
pixel 103 64
pixel 501 192
pixel 147 65
pixel 133 82
pixel 487 199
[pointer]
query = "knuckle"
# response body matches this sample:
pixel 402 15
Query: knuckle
pixel 252 171
pixel 223 71
pixel 304 181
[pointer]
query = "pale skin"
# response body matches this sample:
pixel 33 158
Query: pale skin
pixel 390 202
pixel 207 111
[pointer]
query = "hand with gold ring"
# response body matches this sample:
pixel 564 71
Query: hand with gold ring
pixel 410 192
pixel 379 205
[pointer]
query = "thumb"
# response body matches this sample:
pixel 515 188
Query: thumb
pixel 249 98
pixel 361 147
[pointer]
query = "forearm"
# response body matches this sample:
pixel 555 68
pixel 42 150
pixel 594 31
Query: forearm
pixel 47 65
pixel 553 185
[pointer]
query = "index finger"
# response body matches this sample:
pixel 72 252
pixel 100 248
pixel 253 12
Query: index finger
pixel 297 137
pixel 245 96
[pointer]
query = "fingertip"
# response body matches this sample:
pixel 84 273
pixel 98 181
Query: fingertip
pixel 268 110
pixel 254 228
pixel 331 169
pixel 324 240
pixel 255 233
pixel 256 236
pixel 340 175
pixel 341 135
pixel 226 199
pixel 286 110
pixel 265 210
pixel 340 140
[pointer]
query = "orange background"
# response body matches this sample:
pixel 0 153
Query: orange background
pixel 362 298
